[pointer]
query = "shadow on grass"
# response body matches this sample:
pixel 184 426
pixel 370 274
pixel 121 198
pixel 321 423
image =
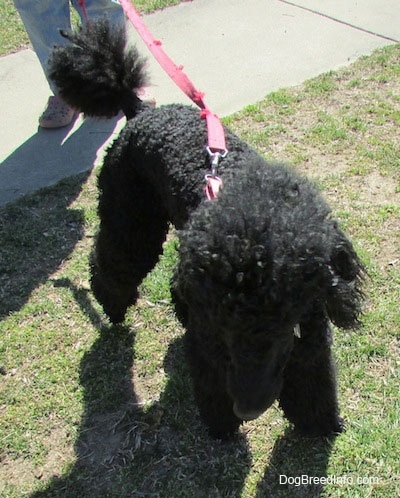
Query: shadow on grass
pixel 37 233
pixel 129 449
pixel 50 155
pixel 39 230
pixel 294 460
pixel 126 448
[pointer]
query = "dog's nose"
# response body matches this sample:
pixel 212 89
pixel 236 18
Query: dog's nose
pixel 246 415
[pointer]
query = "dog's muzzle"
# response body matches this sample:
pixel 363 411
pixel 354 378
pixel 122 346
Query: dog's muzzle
pixel 246 415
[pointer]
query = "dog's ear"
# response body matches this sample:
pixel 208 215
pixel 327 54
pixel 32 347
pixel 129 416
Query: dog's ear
pixel 345 292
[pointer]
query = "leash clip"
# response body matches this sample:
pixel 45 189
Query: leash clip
pixel 215 157
pixel 213 186
pixel 213 181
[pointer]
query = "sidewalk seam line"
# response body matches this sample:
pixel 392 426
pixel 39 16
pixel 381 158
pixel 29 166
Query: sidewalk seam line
pixel 345 23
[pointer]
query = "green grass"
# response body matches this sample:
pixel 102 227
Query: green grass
pixel 147 6
pixel 12 31
pixel 88 409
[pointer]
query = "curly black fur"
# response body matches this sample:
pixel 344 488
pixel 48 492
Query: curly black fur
pixel 97 54
pixel 264 259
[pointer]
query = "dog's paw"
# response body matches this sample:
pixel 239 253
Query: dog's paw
pixel 116 318
pixel 325 428
pixel 223 434
pixel 225 431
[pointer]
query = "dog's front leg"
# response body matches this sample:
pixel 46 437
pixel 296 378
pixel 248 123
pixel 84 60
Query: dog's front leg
pixel 209 383
pixel 309 397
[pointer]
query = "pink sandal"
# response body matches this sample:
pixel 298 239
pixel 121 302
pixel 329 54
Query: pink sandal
pixel 56 114
pixel 146 97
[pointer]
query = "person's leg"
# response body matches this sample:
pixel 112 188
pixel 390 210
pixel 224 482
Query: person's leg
pixel 43 20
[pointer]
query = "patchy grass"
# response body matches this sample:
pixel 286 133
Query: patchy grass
pixel 88 409
pixel 12 31
pixel 147 6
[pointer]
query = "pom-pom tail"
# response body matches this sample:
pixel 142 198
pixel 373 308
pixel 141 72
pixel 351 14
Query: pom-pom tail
pixel 97 72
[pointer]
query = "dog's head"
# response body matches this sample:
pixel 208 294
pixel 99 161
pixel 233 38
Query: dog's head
pixel 244 339
pixel 256 357
pixel 255 264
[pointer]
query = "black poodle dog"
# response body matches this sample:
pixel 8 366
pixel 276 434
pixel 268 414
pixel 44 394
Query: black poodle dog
pixel 262 270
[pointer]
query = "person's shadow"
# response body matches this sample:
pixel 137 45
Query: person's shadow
pixel 51 155
pixel 39 230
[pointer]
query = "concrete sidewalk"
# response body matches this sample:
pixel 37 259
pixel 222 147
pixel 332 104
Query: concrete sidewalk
pixel 235 52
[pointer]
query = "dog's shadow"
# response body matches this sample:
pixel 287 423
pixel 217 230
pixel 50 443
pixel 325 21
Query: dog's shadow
pixel 125 448
pixel 297 467
pixel 107 428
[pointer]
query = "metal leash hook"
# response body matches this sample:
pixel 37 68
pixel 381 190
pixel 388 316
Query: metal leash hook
pixel 213 181
pixel 215 157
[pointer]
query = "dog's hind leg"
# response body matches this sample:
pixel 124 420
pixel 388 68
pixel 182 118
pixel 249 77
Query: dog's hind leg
pixel 133 227
pixel 308 396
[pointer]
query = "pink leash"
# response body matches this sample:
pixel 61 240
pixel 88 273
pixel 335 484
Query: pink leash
pixel 82 5
pixel 215 131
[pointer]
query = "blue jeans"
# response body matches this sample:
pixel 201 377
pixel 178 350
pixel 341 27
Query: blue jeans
pixel 44 18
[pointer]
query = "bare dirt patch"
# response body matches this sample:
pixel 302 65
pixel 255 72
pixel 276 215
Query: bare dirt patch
pixel 378 190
